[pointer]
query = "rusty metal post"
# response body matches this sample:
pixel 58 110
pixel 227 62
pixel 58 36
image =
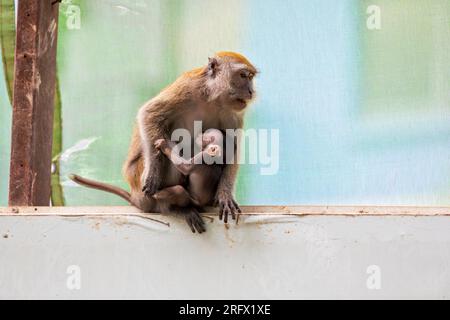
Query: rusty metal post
pixel 34 91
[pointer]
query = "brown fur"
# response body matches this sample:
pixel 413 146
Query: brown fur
pixel 195 95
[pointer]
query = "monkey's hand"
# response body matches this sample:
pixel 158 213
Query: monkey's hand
pixel 153 180
pixel 151 186
pixel 160 144
pixel 227 205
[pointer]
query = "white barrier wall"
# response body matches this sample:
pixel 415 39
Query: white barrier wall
pixel 264 257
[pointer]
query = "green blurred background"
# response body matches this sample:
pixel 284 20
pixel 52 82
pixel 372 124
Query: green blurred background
pixel 363 115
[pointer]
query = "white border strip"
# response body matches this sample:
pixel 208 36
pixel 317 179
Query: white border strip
pixel 246 210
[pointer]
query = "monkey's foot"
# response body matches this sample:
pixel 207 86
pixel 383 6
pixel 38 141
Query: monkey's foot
pixel 194 220
pixel 227 206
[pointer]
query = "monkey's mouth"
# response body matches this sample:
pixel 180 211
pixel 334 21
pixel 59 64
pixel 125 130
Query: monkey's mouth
pixel 241 102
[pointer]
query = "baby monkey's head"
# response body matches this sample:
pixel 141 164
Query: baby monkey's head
pixel 211 141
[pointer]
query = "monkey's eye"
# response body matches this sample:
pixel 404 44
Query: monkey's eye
pixel 243 75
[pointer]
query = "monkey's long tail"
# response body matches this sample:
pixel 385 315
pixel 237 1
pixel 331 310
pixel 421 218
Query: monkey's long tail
pixel 102 186
pixel 111 189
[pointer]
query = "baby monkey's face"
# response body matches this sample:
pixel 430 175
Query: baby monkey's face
pixel 211 141
pixel 213 150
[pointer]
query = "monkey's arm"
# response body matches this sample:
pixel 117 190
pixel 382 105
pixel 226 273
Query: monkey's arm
pixel 153 124
pixel 181 164
pixel 224 195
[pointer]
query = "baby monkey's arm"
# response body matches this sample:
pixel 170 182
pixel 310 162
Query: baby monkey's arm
pixel 181 164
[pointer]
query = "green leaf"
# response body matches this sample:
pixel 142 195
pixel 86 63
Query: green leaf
pixel 8 42
pixel 57 194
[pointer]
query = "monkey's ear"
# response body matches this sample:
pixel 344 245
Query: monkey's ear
pixel 212 66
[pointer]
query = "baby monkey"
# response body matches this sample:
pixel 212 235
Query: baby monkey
pixel 202 171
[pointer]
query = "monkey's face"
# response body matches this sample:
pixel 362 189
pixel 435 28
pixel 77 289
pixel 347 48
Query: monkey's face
pixel 231 81
pixel 241 88
pixel 209 137
pixel 203 141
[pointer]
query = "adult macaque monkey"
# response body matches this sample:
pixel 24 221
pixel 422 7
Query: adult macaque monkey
pixel 217 95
